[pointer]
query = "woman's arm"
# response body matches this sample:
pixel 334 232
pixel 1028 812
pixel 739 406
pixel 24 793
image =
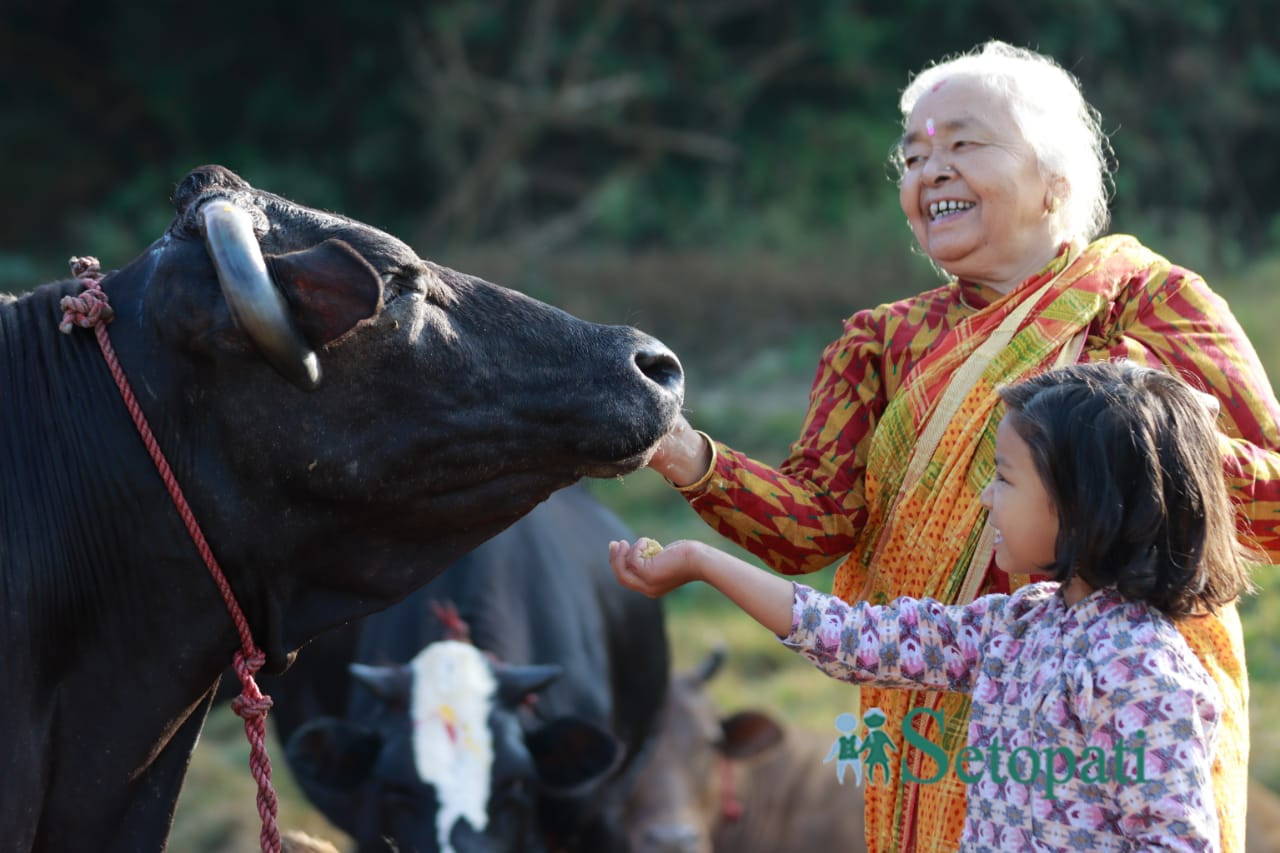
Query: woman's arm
pixel 806 512
pixel 1174 320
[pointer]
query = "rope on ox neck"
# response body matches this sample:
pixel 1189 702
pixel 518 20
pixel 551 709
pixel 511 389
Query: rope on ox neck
pixel 90 309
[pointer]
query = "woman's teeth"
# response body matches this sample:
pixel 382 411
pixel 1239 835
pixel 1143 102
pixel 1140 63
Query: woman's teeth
pixel 938 209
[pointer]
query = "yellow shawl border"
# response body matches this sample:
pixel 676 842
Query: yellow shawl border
pixel 926 535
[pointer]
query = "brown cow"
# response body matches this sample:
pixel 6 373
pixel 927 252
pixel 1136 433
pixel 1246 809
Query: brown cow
pixel 741 783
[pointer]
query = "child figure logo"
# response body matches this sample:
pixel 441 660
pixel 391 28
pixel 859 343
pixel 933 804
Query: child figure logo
pixel 851 751
pixel 845 749
pixel 876 745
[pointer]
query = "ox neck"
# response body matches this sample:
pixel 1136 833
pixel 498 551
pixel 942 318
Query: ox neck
pixel 97 613
pixel 87 517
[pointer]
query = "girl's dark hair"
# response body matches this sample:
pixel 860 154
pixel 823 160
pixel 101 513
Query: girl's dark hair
pixel 1130 457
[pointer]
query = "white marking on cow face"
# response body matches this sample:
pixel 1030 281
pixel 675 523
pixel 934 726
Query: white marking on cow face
pixel 451 698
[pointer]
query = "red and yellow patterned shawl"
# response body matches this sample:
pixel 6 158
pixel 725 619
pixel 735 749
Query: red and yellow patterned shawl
pixel 917 530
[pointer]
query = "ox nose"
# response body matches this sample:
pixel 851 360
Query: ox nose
pixel 660 366
pixel 672 838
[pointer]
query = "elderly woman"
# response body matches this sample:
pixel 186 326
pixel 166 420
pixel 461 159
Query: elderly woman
pixel 1002 180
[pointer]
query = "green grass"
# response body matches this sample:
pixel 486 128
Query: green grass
pixel 1260 617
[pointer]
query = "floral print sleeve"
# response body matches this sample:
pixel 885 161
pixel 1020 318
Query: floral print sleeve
pixel 1143 688
pixel 906 643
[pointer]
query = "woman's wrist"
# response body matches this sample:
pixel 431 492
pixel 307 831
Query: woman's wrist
pixel 686 458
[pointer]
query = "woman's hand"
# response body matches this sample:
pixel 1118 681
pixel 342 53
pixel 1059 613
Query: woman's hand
pixel 683 455
pixel 656 575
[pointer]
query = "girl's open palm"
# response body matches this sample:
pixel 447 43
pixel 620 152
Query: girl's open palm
pixel 654 576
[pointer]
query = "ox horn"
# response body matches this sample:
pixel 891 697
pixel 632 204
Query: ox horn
pixel 389 683
pixel 516 682
pixel 257 306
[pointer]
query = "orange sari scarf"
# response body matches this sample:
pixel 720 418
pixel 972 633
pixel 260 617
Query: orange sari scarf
pixel 926 536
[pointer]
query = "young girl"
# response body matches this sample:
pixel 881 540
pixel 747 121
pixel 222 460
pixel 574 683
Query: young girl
pixel 1092 722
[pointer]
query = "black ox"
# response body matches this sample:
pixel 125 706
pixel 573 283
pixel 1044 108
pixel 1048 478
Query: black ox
pixel 579 669
pixel 448 408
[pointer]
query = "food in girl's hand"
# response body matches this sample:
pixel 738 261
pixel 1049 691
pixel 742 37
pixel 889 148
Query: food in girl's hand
pixel 651 548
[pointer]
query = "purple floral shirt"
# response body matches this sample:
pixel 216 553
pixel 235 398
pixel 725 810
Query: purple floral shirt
pixel 1073 690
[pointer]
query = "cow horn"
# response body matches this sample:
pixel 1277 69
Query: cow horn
pixel 516 682
pixel 258 307
pixel 391 684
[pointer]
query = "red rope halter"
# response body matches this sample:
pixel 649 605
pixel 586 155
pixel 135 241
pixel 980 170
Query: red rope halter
pixel 90 309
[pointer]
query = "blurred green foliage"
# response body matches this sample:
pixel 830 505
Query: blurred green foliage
pixel 629 123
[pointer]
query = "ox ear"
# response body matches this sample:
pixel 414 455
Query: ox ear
pixel 518 682
pixel 571 754
pixel 391 684
pixel 331 288
pixel 332 761
pixel 332 753
pixel 749 733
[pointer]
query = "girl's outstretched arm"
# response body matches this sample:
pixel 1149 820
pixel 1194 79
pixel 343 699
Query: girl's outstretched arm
pixel 765 597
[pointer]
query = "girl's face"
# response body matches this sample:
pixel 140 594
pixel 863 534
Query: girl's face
pixel 1022 512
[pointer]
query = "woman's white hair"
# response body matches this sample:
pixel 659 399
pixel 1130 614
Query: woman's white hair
pixel 1061 127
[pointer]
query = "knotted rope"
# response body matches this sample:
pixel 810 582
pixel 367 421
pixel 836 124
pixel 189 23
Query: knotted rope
pixel 90 309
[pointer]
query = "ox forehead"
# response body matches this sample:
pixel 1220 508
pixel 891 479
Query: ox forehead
pixel 345 418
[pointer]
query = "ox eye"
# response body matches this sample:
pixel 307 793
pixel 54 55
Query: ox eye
pixel 399 284
pixel 399 798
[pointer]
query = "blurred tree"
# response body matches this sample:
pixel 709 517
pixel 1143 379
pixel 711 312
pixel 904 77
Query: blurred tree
pixel 538 115
pixel 624 122
pixel 107 106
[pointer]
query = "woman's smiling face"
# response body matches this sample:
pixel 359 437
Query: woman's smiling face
pixel 971 186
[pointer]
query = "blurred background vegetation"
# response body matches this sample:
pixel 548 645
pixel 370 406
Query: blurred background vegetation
pixel 713 171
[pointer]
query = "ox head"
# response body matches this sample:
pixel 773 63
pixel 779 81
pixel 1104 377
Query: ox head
pixel 350 418
pixel 453 760
pixel 681 794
